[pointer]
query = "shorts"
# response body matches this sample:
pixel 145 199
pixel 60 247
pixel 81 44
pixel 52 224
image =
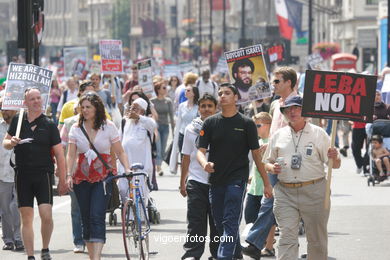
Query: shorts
pixel 34 185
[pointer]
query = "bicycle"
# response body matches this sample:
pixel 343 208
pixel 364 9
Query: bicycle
pixel 135 221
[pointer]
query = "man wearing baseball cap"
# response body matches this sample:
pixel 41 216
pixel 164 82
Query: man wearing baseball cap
pixel 300 192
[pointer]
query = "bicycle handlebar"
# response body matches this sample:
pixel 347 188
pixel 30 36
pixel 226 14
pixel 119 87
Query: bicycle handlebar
pixel 126 175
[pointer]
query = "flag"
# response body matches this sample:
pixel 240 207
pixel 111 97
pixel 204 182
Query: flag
pixel 286 30
pixel 218 5
pixel 294 10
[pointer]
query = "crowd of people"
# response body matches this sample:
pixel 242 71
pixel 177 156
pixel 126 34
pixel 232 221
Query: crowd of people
pixel 253 159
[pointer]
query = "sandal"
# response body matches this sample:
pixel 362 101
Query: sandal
pixel 265 252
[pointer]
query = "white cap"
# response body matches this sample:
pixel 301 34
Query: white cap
pixel 141 102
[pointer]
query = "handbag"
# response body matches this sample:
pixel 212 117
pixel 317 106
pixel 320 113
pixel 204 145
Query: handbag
pixel 114 201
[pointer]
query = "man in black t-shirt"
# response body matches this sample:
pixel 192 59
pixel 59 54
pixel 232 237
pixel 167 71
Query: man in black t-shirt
pixel 34 168
pixel 229 136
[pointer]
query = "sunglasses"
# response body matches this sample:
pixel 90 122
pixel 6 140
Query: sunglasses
pixel 276 81
pixel 162 88
pixel 259 125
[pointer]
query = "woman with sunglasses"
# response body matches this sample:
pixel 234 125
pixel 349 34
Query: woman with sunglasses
pixel 87 176
pixel 187 112
pixel 173 83
pixel 164 108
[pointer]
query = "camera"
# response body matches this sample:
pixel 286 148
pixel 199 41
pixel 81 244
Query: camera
pixel 296 161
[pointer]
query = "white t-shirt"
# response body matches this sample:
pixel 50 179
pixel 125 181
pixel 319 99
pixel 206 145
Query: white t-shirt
pixel 195 170
pixel 210 87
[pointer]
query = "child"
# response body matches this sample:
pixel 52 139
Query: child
pixel 380 154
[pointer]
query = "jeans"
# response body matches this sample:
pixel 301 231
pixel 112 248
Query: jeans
pixel 93 203
pixel 226 206
pixel 257 235
pixel 198 214
pixel 76 220
pixel 54 112
pixel 10 218
pixel 161 144
pixel 252 207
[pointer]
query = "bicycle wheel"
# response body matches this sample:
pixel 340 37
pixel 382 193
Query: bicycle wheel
pixel 129 230
pixel 143 229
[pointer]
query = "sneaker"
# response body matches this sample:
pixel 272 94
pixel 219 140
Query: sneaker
pixel 79 249
pixel 359 170
pixel 343 151
pixel 45 255
pixel 251 251
pixel 8 246
pixel 19 245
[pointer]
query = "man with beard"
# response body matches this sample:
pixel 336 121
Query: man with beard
pixel 242 71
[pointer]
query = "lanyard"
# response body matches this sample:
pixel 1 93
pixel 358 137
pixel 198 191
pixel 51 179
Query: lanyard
pixel 299 139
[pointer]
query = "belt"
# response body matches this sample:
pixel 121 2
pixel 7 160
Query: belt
pixel 300 184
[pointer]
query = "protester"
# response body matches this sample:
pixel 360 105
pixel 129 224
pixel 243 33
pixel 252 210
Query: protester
pixel 359 139
pixel 229 136
pixel 381 110
pixel 136 133
pixel 296 154
pixel 284 80
pixel 68 94
pixel 194 184
pixel 8 201
pixel 164 108
pixel 187 111
pixel 188 79
pixel 34 168
pixel 104 94
pixel 132 82
pixel 55 95
pixel 206 85
pixel 173 83
pixel 87 178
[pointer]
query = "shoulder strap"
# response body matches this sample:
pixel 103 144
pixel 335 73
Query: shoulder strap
pixel 65 96
pixel 197 83
pixel 123 125
pixel 94 148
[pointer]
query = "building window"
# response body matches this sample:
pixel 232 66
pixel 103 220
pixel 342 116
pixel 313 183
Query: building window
pixel 372 2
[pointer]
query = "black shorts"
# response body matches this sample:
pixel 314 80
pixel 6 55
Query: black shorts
pixel 34 185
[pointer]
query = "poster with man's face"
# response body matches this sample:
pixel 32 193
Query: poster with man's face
pixel 248 73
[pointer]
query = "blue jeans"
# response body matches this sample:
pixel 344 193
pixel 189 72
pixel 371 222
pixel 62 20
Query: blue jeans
pixel 252 207
pixel 93 203
pixel 161 144
pixel 226 207
pixel 76 220
pixel 54 111
pixel 257 235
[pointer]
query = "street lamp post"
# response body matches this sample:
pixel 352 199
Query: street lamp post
pixel 211 36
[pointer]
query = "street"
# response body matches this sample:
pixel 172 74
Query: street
pixel 358 225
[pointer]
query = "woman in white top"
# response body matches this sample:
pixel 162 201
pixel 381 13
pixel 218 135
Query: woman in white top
pixel 187 111
pixel 87 178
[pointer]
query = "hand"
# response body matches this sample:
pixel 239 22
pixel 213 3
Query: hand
pixel 133 115
pixel 62 188
pixel 69 182
pixel 268 191
pixel 15 141
pixel 183 190
pixel 209 167
pixel 276 168
pixel 333 153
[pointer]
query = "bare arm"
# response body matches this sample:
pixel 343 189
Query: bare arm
pixel 120 153
pixel 9 142
pixel 184 173
pixel 256 154
pixel 201 156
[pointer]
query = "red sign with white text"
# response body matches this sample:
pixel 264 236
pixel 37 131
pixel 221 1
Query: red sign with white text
pixel 111 56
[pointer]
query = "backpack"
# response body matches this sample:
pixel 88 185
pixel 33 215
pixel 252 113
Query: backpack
pixel 65 96
pixel 212 83
pixel 152 142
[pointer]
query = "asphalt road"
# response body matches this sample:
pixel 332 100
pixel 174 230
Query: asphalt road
pixel 359 226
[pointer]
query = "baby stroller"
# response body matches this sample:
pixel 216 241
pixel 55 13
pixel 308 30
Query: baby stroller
pixel 378 127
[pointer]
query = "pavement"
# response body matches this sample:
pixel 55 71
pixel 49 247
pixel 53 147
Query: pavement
pixel 358 225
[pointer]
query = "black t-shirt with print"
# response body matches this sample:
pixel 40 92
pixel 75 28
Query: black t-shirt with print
pixel 229 140
pixel 35 156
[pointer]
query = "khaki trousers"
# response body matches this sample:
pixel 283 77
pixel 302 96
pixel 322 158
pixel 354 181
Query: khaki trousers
pixel 292 204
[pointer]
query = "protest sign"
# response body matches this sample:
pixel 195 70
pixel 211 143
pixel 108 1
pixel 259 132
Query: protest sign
pixel 222 66
pixel 75 60
pixel 314 60
pixel 111 56
pixel 386 84
pixel 187 67
pixel 339 95
pixel 172 70
pixel 248 73
pixel 23 76
pixel 145 80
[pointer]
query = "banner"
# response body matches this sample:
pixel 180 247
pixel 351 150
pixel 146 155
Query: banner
pixel 145 78
pixel 248 73
pixel 339 95
pixel 314 61
pixel 23 76
pixel 111 56
pixel 75 60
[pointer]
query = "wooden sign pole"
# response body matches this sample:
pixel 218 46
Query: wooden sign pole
pixel 330 165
